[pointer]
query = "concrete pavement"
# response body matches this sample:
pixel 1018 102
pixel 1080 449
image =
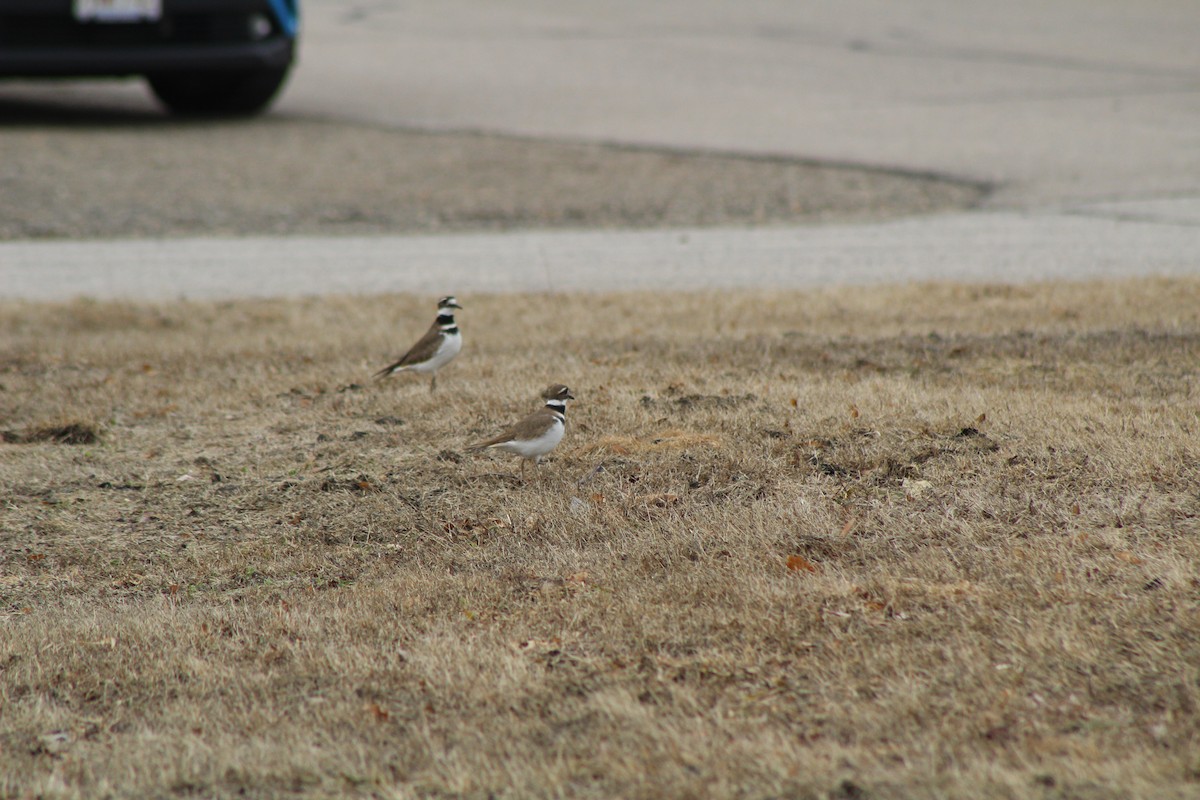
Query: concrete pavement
pixel 997 246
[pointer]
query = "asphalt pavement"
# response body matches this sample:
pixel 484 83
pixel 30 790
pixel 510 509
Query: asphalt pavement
pixel 1084 116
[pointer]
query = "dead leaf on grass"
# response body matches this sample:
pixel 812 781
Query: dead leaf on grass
pixel 360 484
pixel 798 563
pixel 378 712
pixel 1128 557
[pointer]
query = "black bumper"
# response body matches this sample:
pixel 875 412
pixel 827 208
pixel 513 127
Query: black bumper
pixel 91 62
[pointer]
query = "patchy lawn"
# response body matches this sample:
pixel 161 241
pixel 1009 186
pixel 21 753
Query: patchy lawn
pixel 920 542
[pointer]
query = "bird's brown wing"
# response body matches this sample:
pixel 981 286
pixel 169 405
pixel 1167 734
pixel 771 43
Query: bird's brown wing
pixel 531 427
pixel 423 350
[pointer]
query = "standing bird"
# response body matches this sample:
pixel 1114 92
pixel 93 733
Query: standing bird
pixel 435 349
pixel 538 433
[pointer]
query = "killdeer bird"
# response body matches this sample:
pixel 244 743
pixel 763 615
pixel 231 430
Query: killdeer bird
pixel 435 349
pixel 538 433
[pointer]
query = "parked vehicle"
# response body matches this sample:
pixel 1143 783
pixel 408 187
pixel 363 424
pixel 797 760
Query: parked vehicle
pixel 201 57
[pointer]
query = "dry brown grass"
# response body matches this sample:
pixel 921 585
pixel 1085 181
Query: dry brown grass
pixel 924 542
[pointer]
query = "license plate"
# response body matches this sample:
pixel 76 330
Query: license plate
pixel 117 10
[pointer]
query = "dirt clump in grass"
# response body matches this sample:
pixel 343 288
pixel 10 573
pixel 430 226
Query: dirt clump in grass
pixel 905 542
pixel 64 433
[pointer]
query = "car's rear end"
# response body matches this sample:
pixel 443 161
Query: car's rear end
pixel 200 56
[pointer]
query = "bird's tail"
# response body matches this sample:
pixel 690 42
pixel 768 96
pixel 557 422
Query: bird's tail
pixel 486 443
pixel 390 369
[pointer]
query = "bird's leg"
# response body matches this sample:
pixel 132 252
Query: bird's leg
pixel 522 470
pixel 433 382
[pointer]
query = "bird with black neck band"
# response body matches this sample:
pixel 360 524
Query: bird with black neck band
pixel 437 348
pixel 535 435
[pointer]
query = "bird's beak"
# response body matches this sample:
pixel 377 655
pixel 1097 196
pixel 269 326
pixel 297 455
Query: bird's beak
pixel 455 305
pixel 568 396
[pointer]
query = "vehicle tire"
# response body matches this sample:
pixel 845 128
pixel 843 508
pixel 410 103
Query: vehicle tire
pixel 217 94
